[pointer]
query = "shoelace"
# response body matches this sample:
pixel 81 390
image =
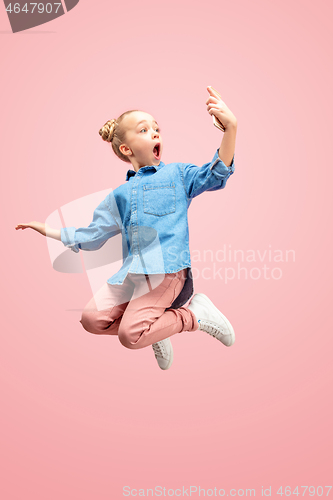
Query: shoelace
pixel 158 349
pixel 209 328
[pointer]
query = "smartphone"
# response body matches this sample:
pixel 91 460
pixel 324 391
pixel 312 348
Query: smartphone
pixel 216 121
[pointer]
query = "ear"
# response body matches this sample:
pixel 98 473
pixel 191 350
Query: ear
pixel 125 150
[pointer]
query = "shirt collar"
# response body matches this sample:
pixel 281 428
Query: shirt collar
pixel 131 173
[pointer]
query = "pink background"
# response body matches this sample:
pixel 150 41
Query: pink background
pixel 81 415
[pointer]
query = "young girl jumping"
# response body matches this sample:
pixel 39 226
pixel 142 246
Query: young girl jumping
pixel 144 303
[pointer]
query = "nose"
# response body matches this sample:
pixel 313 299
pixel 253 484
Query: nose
pixel 155 134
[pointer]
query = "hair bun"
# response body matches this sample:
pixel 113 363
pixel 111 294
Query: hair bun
pixel 107 131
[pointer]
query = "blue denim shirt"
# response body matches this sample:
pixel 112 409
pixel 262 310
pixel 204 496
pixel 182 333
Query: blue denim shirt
pixel 150 210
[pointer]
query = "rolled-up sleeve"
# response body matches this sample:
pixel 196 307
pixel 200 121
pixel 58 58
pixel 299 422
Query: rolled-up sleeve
pixel 210 177
pixel 103 226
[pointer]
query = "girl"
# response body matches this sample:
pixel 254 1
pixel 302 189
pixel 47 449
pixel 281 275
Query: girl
pixel 143 303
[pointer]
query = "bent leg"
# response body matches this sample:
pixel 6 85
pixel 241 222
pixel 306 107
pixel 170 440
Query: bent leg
pixel 103 313
pixel 145 320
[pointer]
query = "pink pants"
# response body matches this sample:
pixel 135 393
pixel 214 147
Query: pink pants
pixel 135 310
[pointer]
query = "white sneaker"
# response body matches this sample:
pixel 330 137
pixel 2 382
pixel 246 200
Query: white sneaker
pixel 163 353
pixel 211 320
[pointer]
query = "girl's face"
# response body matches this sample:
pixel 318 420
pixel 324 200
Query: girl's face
pixel 143 142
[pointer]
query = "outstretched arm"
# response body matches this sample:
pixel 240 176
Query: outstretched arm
pixel 41 228
pixel 216 107
pixel 103 226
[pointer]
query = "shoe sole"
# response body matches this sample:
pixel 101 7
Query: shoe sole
pixel 233 338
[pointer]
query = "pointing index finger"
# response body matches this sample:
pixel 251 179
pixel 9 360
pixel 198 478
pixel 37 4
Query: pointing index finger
pixel 210 88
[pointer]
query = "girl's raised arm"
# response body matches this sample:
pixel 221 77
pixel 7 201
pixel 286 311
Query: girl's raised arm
pixel 41 228
pixel 218 108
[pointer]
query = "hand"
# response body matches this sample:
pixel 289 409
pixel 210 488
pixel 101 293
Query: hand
pixel 37 226
pixel 218 108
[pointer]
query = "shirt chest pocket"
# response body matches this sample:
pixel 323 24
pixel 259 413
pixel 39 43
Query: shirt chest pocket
pixel 159 200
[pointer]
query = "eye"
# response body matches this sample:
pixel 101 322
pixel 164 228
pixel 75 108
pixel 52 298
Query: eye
pixel 157 129
pixel 143 130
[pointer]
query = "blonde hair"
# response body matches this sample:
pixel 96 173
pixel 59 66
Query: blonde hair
pixel 113 131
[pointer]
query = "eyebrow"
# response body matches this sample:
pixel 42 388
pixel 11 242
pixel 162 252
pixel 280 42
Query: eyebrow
pixel 142 121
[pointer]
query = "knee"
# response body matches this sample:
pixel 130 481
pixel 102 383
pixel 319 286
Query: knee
pixel 92 324
pixel 87 321
pixel 126 339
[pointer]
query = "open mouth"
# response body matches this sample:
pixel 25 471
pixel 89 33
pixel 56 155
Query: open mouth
pixel 157 151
